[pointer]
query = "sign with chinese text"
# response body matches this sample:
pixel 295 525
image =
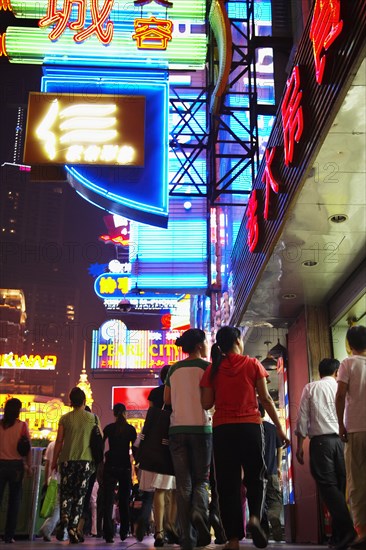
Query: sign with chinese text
pixel 85 129
pixel 116 347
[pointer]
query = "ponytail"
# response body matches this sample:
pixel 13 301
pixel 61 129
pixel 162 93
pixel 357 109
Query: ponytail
pixel 225 340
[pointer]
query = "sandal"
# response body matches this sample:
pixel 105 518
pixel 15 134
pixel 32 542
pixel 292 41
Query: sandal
pixel 73 536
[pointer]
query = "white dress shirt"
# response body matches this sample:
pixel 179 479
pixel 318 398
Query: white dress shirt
pixel 317 413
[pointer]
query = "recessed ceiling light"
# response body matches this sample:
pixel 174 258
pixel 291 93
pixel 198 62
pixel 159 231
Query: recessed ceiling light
pixel 289 296
pixel 338 218
pixel 309 263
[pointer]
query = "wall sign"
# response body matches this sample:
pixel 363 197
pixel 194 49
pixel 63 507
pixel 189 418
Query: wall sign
pixel 28 362
pixel 85 129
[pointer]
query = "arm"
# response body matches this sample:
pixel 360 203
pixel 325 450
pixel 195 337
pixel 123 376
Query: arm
pixel 300 449
pixel 340 402
pixel 207 398
pixel 267 402
pixel 58 446
pixel 279 462
pixel 167 395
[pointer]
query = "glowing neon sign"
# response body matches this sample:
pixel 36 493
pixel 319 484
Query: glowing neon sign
pixel 111 285
pixel 152 33
pixel 85 129
pixel 326 26
pixel 34 362
pixel 269 179
pixel 62 18
pixel 252 223
pixel 292 115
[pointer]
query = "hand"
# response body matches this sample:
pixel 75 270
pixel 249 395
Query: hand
pixel 54 466
pixel 300 456
pixel 28 470
pixel 279 474
pixel 343 433
pixel 285 440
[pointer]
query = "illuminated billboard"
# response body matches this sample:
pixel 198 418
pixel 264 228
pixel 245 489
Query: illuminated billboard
pixel 85 129
pixel 116 347
pixel 138 193
pixel 134 397
pixel 29 362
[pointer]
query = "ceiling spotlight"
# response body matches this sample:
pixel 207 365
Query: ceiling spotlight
pixel 338 218
pixel 310 263
pixel 289 296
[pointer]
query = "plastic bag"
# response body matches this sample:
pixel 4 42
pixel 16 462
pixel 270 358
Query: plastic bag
pixel 50 499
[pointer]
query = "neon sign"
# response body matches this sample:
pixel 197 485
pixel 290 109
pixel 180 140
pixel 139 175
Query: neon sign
pixel 269 179
pixel 152 33
pixel 252 223
pixel 35 362
pixel 116 347
pixel 292 115
pixel 62 20
pixel 326 26
pixel 85 129
pixel 111 285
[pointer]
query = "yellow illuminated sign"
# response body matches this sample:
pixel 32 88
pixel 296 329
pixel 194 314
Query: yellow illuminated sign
pixel 36 362
pixel 85 129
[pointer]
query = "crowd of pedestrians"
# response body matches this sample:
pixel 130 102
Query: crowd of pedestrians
pixel 222 449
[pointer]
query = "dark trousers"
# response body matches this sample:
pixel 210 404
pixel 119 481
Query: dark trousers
pixel 112 475
pixel 328 469
pixel 11 474
pixel 237 447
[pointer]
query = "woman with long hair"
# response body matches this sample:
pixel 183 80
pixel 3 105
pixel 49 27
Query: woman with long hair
pixel 117 469
pixel 231 384
pixel 190 439
pixel 73 455
pixel 12 464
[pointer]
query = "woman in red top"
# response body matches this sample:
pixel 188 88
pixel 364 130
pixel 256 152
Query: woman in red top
pixel 231 384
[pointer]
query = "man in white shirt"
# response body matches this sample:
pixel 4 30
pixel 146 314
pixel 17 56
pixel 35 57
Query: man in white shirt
pixel 351 411
pixel 317 419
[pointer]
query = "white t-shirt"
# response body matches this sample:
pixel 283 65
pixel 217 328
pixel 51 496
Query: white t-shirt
pixel 352 371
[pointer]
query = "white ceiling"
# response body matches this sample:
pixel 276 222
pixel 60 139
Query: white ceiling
pixel 336 185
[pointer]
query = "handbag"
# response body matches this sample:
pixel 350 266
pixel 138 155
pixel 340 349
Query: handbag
pixel 24 444
pixel 96 443
pixel 50 499
pixel 153 452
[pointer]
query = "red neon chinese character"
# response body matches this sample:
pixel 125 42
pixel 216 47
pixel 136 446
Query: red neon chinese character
pixel 152 33
pixel 326 26
pixel 252 223
pixel 292 115
pixel 62 20
pixel 269 179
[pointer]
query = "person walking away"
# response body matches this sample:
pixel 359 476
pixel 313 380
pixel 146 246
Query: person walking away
pixel 273 459
pixel 164 503
pixel 117 469
pixel 317 419
pixel 72 454
pixel 231 383
pixel 12 464
pixel 50 523
pixel 351 412
pixel 190 439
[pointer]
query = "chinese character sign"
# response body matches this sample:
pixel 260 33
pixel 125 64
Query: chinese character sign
pixel 326 26
pixel 99 26
pixel 152 33
pixel 269 179
pixel 252 223
pixel 292 115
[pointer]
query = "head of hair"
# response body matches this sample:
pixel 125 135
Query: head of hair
pixel 164 372
pixel 87 408
pixel 119 411
pixel 356 337
pixel 190 339
pixel 225 340
pixel 77 397
pixel 327 367
pixel 11 412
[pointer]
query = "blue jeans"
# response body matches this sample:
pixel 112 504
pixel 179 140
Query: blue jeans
pixel 191 454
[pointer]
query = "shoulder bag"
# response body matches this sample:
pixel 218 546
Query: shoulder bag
pixel 24 444
pixel 96 443
pixel 153 452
